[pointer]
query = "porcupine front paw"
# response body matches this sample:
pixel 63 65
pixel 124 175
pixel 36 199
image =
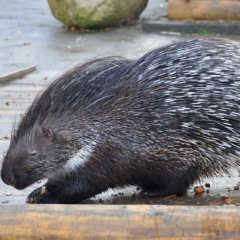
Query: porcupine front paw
pixel 42 195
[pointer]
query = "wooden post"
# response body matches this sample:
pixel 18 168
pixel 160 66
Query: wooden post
pixel 118 222
pixel 204 9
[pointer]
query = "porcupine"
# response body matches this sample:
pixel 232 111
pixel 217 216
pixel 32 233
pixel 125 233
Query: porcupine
pixel 160 122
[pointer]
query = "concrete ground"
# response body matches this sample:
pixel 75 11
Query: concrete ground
pixel 30 35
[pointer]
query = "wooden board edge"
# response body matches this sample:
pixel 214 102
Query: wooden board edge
pixel 17 74
pixel 118 222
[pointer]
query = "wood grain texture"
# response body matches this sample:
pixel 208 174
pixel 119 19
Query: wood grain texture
pixel 204 9
pixel 118 222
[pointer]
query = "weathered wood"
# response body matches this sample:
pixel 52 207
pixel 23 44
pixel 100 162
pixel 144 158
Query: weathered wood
pixel 204 10
pixel 5 88
pixel 11 113
pixel 17 74
pixel 19 95
pixel 17 101
pixel 118 221
pixel 8 104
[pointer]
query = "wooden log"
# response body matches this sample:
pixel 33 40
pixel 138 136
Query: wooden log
pixel 118 222
pixel 204 9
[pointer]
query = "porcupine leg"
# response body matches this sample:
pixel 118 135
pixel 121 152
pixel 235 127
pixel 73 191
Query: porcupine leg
pixel 170 185
pixel 42 195
pixel 56 192
pixel 69 190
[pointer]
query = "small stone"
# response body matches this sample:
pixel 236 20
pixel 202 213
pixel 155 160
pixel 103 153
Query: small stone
pixel 5 137
pixel 8 38
pixel 27 43
pixel 236 188
pixel 225 196
pixel 211 195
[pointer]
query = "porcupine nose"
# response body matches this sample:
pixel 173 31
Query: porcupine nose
pixel 8 178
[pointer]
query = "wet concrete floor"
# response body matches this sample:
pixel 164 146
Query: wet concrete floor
pixel 30 35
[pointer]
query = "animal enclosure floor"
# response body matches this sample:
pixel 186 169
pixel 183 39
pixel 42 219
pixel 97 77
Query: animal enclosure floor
pixel 31 36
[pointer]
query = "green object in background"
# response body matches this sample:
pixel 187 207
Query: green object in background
pixel 96 14
pixel 204 32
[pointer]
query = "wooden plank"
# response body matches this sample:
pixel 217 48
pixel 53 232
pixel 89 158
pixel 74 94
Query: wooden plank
pixel 6 118
pixel 20 95
pixel 5 134
pixel 17 97
pixel 11 113
pixel 204 10
pixel 118 222
pixel 14 105
pixel 38 77
pixel 4 142
pixel 5 88
pixel 15 199
pixel 17 74
pixel 6 129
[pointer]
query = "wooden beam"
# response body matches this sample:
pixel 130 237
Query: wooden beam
pixel 118 222
pixel 204 9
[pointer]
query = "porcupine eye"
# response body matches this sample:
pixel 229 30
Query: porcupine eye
pixel 33 153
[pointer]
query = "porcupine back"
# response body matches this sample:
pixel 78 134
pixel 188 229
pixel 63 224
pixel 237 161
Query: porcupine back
pixel 195 95
pixel 194 99
pixel 71 93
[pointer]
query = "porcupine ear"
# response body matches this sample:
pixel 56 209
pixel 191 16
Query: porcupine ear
pixel 46 133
